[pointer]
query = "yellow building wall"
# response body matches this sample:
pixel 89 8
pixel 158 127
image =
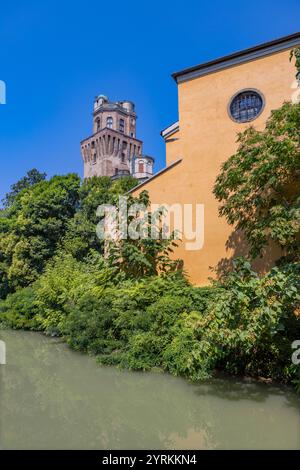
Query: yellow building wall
pixel 173 148
pixel 207 138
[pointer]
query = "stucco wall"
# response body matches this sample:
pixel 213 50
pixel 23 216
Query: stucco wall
pixel 173 148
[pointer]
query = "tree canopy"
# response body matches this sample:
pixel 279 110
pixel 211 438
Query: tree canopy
pixel 259 186
pixel 31 178
pixel 32 227
pixel 44 217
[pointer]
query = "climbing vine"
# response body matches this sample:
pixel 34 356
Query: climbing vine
pixel 296 53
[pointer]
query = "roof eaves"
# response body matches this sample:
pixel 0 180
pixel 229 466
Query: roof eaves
pixel 237 58
pixel 170 130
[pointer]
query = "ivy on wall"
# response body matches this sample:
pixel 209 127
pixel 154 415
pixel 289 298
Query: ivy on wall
pixel 296 53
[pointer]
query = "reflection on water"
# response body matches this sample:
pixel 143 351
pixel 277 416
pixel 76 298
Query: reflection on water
pixel 53 398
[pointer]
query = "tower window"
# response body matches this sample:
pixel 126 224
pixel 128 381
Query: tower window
pixel 141 167
pixel 109 122
pixel 98 126
pixel 246 106
pixel 122 125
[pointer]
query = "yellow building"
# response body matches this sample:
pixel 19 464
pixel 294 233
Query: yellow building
pixel 217 100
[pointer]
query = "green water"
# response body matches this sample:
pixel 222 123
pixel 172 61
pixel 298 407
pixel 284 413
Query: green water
pixel 53 398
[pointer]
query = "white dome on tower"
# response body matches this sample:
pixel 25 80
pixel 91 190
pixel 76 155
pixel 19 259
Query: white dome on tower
pixel 100 100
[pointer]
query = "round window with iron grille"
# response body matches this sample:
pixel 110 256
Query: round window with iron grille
pixel 246 106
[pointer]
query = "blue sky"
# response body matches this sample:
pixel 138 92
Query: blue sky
pixel 55 56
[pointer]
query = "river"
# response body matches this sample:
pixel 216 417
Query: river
pixel 54 398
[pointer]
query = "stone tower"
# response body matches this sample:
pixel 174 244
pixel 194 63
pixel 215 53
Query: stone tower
pixel 113 149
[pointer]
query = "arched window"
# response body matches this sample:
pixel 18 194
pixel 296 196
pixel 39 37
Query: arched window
pixel 246 106
pixel 109 122
pixel 98 125
pixel 122 125
pixel 141 167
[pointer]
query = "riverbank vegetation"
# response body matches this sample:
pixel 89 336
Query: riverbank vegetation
pixel 136 308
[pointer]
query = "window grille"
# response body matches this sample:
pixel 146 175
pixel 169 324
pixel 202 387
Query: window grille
pixel 246 106
pixel 109 122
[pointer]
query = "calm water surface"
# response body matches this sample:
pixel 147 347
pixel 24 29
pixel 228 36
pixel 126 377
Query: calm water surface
pixel 53 398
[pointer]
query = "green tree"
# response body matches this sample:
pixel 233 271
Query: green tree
pixel 81 237
pixel 31 178
pixel 145 255
pixel 32 228
pixel 259 186
pixel 42 216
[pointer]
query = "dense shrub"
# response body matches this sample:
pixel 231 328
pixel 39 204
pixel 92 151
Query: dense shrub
pixel 19 310
pixel 251 325
pixel 244 324
pixel 65 284
pixel 131 324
